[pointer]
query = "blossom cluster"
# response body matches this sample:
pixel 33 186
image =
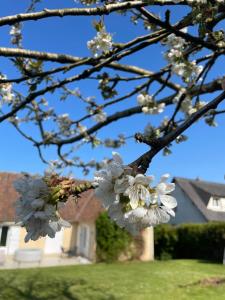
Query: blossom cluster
pixel 6 93
pixel 88 2
pixel 131 199
pixel 37 208
pixel 100 116
pixel 186 105
pixel 101 43
pixel 149 106
pixel 16 34
pixel 64 123
pixel 188 70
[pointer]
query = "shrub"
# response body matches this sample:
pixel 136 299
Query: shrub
pixel 165 238
pixel 198 241
pixel 112 240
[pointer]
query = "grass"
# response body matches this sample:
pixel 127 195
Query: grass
pixel 160 280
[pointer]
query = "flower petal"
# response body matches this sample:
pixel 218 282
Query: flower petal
pixel 121 185
pixel 115 169
pixel 170 187
pixel 168 210
pixel 161 188
pixel 142 179
pixel 117 158
pixel 139 212
pixel 144 194
pixel 106 197
pixel 164 177
pixel 168 201
pixel 133 194
pixel 162 215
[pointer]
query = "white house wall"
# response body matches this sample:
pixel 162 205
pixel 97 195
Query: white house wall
pixel 13 239
pixel 186 211
pixel 54 246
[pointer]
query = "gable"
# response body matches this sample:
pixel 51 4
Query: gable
pixel 186 210
pixel 200 196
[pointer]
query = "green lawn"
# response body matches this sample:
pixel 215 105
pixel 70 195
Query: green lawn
pixel 165 280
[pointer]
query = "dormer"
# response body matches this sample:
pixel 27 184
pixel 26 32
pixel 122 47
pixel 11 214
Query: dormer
pixel 216 203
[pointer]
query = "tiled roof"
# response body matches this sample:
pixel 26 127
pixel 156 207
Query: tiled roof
pixel 86 209
pixel 8 196
pixel 199 192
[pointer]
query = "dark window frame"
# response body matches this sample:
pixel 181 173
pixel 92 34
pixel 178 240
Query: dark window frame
pixel 4 236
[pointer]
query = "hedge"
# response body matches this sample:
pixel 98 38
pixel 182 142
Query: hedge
pixel 111 240
pixel 196 241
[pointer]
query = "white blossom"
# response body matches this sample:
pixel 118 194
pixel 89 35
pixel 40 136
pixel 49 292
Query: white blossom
pixel 82 128
pixel 138 189
pixel 101 43
pixel 106 180
pixel 186 105
pixel 88 2
pixel 64 124
pixel 34 209
pixel 100 117
pixel 15 30
pixel 131 200
pixel 158 209
pixel 149 106
pixel 7 95
pixel 16 34
pixel 158 108
pixel 188 70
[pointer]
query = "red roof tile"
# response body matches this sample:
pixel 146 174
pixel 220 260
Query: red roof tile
pixel 8 196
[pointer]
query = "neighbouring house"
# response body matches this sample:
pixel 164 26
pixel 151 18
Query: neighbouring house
pixel 198 201
pixel 79 239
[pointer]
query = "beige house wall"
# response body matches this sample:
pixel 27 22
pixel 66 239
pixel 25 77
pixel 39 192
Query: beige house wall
pixel 68 238
pixel 148 244
pixel 70 241
pixel 39 244
pixel 73 240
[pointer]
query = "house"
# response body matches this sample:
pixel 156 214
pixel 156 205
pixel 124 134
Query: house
pixel 198 201
pixel 79 239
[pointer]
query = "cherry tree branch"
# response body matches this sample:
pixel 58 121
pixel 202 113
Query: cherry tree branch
pixel 175 30
pixel 49 13
pixel 213 86
pixel 142 163
pixel 96 11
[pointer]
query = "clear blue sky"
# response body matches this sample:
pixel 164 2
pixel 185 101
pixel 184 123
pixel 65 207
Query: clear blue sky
pixel 202 155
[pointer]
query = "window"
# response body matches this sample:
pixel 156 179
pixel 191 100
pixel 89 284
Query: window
pixel 216 203
pixel 83 237
pixel 3 235
pixel 83 240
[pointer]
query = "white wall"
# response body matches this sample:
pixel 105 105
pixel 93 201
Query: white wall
pixel 53 246
pixel 13 239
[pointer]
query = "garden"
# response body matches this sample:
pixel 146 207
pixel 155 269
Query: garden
pixel 171 279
